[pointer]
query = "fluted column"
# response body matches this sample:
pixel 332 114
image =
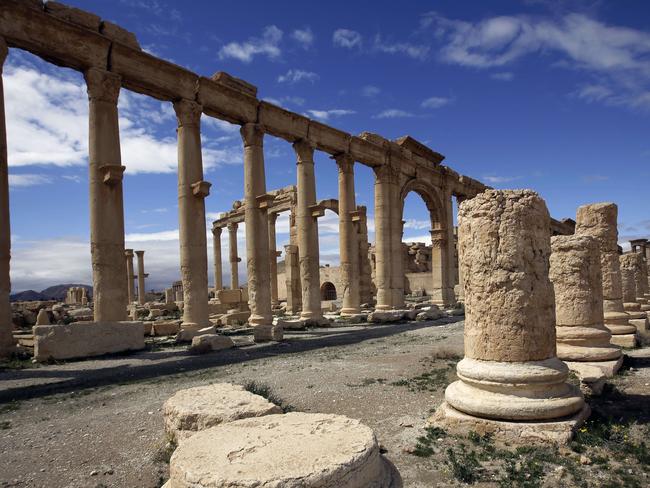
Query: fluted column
pixel 273 255
pixel 192 190
pixel 233 257
pixel 257 236
pixel 106 199
pixel 142 291
pixel 216 249
pixel 6 337
pixel 128 253
pixel 383 270
pixel 348 238
pixel 307 232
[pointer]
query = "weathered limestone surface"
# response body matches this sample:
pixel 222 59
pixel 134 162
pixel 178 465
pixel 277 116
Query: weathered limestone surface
pixel 577 283
pixel 233 256
pixel 599 220
pixel 348 241
pixel 216 253
pixel 384 177
pixel 335 451
pixel 130 287
pixel 142 290
pixel 510 371
pixel 200 408
pixel 85 339
pixel 43 318
pixel 205 343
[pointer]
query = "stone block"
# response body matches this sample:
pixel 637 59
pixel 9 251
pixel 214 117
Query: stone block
pixel 328 138
pixel 234 318
pixel 429 314
pixel 235 83
pixel 283 123
pixel 119 34
pixel 367 151
pixel 86 339
pixel 195 409
pixel 229 296
pixel 166 328
pixel 385 316
pixel 205 343
pixel 222 101
pixel 74 15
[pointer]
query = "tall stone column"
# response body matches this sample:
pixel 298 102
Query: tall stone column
pixel 233 257
pixel 365 269
pixel 192 190
pixel 273 254
pixel 397 250
pixel 577 283
pixel 6 338
pixel 348 242
pixel 216 249
pixel 307 232
pixel 637 317
pixel 142 291
pixel 640 279
pixel 106 199
pixel 383 269
pixel 130 288
pixel 599 220
pixel 510 371
pixel 257 235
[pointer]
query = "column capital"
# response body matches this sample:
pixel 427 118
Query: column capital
pixel 139 253
pixel 345 162
pixel 188 112
pixel 386 173
pixel 304 151
pixel 102 85
pixel 216 231
pixel 4 51
pixel 272 216
pixel 438 238
pixel 252 134
pixel 232 227
pixel 128 253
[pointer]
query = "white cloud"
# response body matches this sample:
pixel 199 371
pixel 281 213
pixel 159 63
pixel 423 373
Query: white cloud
pixel 327 114
pixel 370 91
pixel 346 38
pixel 28 180
pixel 495 180
pixel 304 36
pixel 415 51
pixel 503 76
pixel 425 238
pixel 297 75
pixel 393 113
pixel 435 102
pixel 417 224
pixel 267 45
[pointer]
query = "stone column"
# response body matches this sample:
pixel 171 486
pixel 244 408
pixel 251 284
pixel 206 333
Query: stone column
pixel 577 283
pixel 128 253
pixel 257 235
pixel 216 249
pixel 638 317
pixel 599 220
pixel 192 190
pixel 307 232
pixel 142 291
pixel 348 242
pixel 383 270
pixel 397 249
pixel 640 278
pixel 234 258
pixel 365 269
pixel 169 296
pixel 106 200
pixel 510 371
pixel 273 255
pixel 6 338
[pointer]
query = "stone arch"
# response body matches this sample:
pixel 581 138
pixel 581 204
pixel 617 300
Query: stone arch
pixel 327 291
pixel 431 197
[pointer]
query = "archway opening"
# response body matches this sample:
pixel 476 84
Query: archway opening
pixel 328 291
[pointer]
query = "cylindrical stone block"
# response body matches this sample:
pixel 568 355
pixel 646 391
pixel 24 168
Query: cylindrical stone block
pixel 510 370
pixel 141 287
pixel 233 256
pixel 216 254
pixel 348 238
pixel 383 268
pixel 577 283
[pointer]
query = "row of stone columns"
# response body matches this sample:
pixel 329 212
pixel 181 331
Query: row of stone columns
pixel 130 276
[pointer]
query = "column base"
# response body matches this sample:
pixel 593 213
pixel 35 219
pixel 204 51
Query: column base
pixel 557 431
pixel 618 323
pixel 585 343
pixel 346 312
pixel 316 316
pixel 268 332
pixel 624 340
pixel 593 374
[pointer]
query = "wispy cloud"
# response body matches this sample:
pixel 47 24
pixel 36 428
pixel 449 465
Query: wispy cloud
pixel 284 101
pixel 503 76
pixel 370 91
pixel 327 114
pixel 415 51
pixel 393 113
pixel 594 178
pixel 436 102
pixel 305 37
pixel 346 38
pixel 417 224
pixel 267 45
pixel 496 180
pixel 29 180
pixel 298 75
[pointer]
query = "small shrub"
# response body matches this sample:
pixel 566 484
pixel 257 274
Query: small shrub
pixel 267 392
pixel 464 464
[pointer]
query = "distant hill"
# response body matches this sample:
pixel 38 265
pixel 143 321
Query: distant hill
pixel 56 292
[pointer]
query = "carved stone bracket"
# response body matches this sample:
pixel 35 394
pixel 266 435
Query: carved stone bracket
pixel 317 210
pixel 201 189
pixel 264 201
pixel 113 174
pixel 356 215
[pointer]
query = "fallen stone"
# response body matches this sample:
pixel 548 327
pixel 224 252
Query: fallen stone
pixel 186 335
pixel 385 316
pixel 42 318
pixel 205 343
pixel 429 314
pixel 80 312
pixel 165 328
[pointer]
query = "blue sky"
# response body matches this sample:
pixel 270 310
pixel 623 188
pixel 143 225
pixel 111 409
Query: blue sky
pixel 553 96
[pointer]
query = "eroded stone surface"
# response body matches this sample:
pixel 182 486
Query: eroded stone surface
pixel 205 343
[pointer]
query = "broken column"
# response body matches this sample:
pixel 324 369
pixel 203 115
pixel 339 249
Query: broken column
pixel 257 235
pixel 582 339
pixel 106 199
pixel 6 338
pixel 511 382
pixel 169 296
pixel 234 258
pixel 348 238
pixel 192 191
pixel 629 264
pixel 141 276
pixel 599 220
pixel 216 250
pixel 128 254
pixel 307 232
pixel 273 254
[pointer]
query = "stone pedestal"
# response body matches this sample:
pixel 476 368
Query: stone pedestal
pixel 192 190
pixel 216 250
pixel 130 275
pixel 599 220
pixel 142 290
pixel 233 257
pixel 6 338
pixel 348 243
pixel 510 373
pixel 106 200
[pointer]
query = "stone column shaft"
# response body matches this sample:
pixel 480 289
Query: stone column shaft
pixel 348 238
pixel 142 292
pixel 307 232
pixel 6 326
pixel 216 249
pixel 130 275
pixel 106 199
pixel 273 263
pixel 257 233
pixel 192 190
pixel 233 257
pixel 383 269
